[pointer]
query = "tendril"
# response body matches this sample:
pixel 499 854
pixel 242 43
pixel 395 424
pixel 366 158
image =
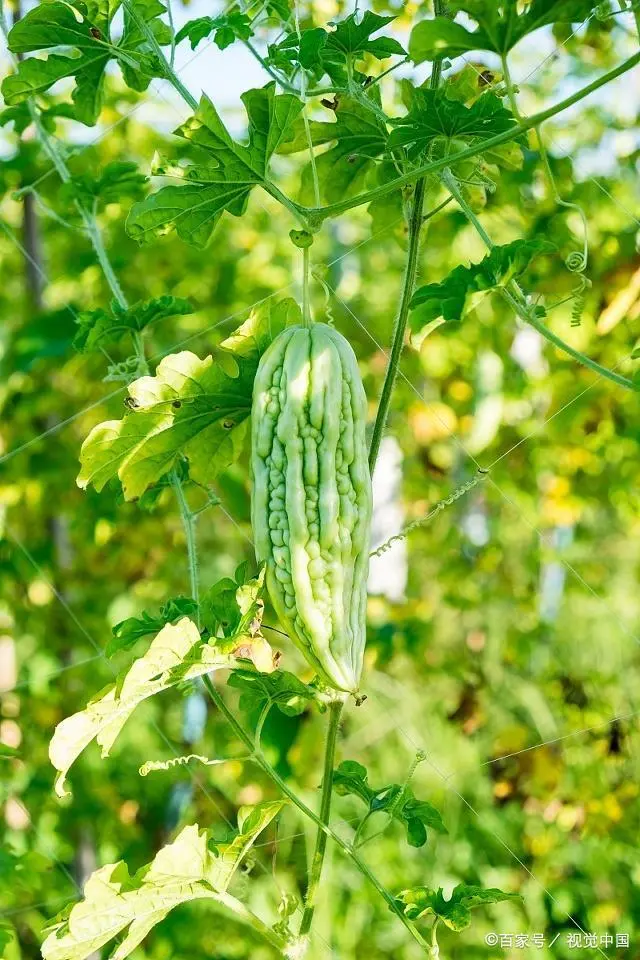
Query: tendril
pixel 317 276
pixel 437 508
pixel 152 765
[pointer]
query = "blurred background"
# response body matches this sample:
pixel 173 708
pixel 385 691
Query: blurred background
pixel 503 635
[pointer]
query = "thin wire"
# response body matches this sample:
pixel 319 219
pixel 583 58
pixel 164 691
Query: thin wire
pixel 25 253
pixel 565 736
pixel 446 779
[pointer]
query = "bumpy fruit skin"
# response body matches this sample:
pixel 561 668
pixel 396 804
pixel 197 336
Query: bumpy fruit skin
pixel 311 501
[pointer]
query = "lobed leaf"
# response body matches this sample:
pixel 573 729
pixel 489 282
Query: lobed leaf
pixel 455 912
pixel 358 136
pixel 117 903
pixel 433 114
pixel 447 299
pixel 190 408
pixel 281 688
pixel 129 631
pixel 98 328
pixel 500 26
pixel 397 801
pixel 178 653
pixel 225 182
pixel 84 32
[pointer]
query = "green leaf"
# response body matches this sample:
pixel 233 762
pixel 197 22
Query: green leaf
pixel 432 115
pixel 116 903
pixel 117 181
pixel 98 328
pixel 397 801
pixel 19 116
pixel 7 934
pixel 455 912
pixel 281 688
pixel 128 632
pixel 225 182
pixel 448 298
pixel 350 777
pixel 7 752
pixel 352 37
pixel 501 25
pixel 225 28
pixel 305 49
pixel 178 653
pixel 358 138
pixel 263 325
pixel 140 63
pixel 191 408
pixel 320 52
pixel 442 37
pixel 83 31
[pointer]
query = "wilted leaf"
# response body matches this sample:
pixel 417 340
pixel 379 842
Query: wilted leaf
pixel 188 869
pixel 178 653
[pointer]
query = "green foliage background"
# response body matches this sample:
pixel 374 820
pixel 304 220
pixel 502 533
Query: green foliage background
pixel 529 723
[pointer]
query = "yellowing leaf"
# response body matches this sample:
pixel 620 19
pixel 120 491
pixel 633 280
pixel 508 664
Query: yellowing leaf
pixel 187 869
pixel 178 653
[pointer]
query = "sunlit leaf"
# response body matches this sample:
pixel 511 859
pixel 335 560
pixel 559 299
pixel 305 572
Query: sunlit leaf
pixel 455 912
pixel 224 184
pixel 501 25
pixel 116 902
pixel 190 408
pixel 178 653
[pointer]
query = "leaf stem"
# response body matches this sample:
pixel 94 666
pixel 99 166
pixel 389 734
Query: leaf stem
pixel 319 214
pixel 306 308
pixel 91 226
pixel 189 525
pixel 249 918
pixel 335 712
pixel 275 777
pixel 516 299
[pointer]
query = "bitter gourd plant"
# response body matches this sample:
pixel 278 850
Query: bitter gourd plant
pixel 311 503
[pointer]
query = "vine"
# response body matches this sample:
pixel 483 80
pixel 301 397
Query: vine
pixel 184 424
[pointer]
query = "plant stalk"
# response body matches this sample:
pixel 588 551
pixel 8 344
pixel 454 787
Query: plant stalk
pixel 335 712
pixel 397 343
pixel 335 209
pixel 275 777
pixel 515 298
pixel 188 523
pixel 416 221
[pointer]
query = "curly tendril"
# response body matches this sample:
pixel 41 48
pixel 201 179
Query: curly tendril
pixel 576 262
pixel 436 509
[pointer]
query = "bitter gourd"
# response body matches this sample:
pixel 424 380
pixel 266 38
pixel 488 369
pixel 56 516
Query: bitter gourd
pixel 311 499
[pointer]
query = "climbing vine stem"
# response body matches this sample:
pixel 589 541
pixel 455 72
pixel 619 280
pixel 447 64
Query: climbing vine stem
pixel 284 788
pixel 517 300
pixel 335 712
pixel 416 221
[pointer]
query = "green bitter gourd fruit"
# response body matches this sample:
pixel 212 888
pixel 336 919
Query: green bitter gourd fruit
pixel 311 499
